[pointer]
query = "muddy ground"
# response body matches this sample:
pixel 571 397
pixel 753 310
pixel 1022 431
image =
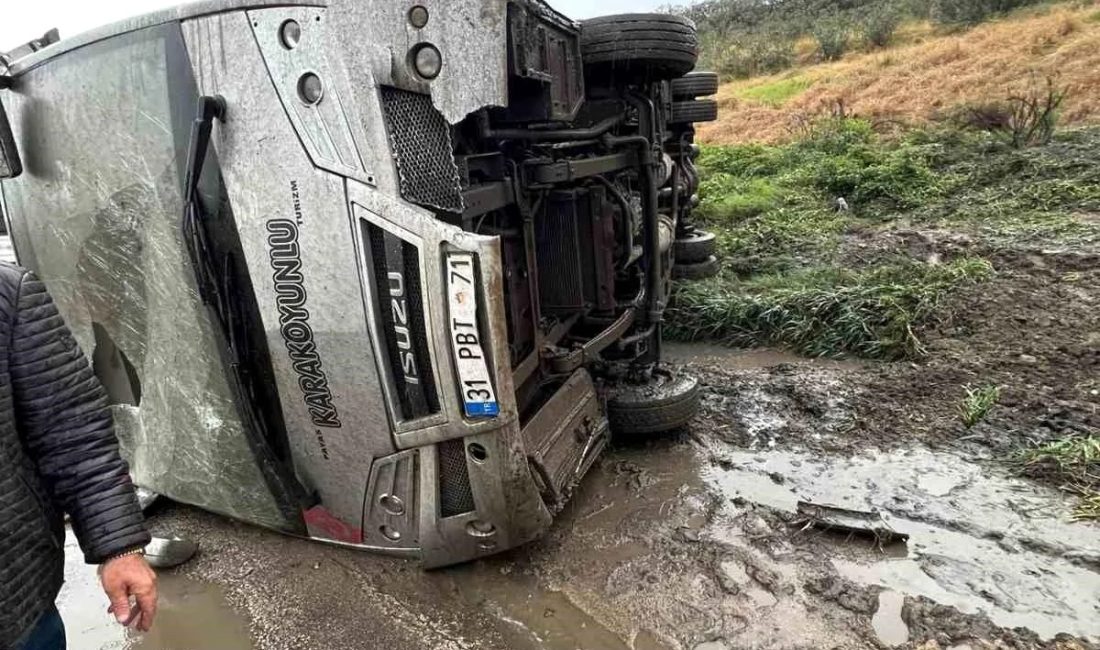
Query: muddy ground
pixel 692 541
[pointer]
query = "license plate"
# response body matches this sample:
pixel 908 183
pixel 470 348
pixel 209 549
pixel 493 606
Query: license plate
pixel 478 397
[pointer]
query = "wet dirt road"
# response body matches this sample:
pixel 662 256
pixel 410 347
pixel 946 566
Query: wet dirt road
pixel 689 542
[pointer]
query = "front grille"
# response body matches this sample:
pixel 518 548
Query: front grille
pixel 422 149
pixel 396 265
pixel 456 497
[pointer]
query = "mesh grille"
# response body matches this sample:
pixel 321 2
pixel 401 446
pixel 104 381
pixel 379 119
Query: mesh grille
pixel 421 141
pixel 456 497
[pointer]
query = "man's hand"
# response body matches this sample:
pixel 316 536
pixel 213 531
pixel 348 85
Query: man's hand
pixel 126 576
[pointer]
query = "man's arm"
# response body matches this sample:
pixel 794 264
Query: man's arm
pixel 65 423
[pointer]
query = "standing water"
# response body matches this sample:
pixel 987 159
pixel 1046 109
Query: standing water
pixel 190 614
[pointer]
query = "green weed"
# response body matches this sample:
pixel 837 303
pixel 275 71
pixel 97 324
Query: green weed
pixel 844 158
pixel 748 160
pixel 1072 462
pixel 727 199
pixel 1077 457
pixel 824 312
pixel 1088 508
pixel 781 239
pixel 834 158
pixel 776 93
pixel 1010 196
pixel 977 403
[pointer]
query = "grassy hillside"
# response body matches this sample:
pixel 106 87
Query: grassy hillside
pixel 928 210
pixel 927 75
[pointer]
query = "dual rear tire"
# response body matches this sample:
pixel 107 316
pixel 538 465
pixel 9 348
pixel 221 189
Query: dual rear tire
pixel 639 47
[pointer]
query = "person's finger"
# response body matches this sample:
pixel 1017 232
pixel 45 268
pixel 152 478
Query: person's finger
pixel 146 622
pixel 147 601
pixel 120 602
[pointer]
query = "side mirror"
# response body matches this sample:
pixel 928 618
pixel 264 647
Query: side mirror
pixel 10 165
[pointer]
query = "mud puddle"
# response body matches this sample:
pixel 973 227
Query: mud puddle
pixel 665 546
pixel 548 618
pixel 980 541
pixel 889 626
pixel 191 615
pixel 735 359
pixel 557 598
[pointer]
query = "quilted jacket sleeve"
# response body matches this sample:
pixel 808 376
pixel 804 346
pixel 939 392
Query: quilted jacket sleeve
pixel 66 426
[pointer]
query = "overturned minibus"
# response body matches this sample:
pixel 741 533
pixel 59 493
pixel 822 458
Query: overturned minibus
pixel 384 274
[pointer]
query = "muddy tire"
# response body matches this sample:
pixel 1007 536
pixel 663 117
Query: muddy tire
pixel 696 110
pixel 695 84
pixel 693 272
pixel 630 47
pixel 698 246
pixel 667 403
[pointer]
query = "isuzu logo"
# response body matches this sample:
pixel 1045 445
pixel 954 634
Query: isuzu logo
pixel 400 308
pixel 401 321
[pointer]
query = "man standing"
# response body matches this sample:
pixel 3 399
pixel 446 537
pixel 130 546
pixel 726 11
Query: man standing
pixel 58 454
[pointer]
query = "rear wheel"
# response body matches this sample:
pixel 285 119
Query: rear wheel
pixel 694 247
pixel 695 110
pixel 695 84
pixel 697 271
pixel 668 402
pixel 653 47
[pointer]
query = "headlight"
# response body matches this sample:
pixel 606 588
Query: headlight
pixel 427 60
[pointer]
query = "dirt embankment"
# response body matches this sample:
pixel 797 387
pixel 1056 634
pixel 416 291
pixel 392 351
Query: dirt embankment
pixel 926 77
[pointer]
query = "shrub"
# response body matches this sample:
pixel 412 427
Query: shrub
pixel 833 36
pixel 988 116
pixel 880 23
pixel 1034 114
pixel 965 13
pixel 748 55
pixel 962 12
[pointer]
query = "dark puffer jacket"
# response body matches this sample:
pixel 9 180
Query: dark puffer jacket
pixel 58 453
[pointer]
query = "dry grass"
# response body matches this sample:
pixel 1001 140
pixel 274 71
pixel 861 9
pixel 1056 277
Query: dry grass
pixel 928 74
